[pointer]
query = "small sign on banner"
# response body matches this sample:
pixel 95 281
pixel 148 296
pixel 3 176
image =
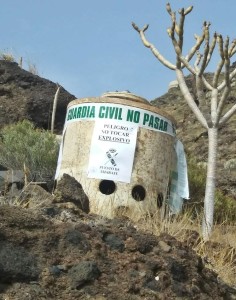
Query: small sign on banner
pixel 112 150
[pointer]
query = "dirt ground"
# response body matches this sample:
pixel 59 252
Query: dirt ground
pixel 65 253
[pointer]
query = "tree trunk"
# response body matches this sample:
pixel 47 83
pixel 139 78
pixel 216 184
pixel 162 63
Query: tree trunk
pixel 54 108
pixel 210 184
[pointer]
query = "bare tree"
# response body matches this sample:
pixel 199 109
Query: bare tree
pixel 210 114
pixel 55 107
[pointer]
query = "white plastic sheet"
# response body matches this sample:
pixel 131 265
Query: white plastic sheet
pixel 179 188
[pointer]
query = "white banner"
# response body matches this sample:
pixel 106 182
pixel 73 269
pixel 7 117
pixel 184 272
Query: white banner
pixel 112 150
pixel 111 111
pixel 114 138
pixel 183 188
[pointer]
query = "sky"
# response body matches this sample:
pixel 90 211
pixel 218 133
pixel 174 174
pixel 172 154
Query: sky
pixel 89 47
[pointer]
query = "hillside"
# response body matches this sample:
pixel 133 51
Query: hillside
pixel 50 248
pixel 24 95
pixel 194 136
pixel 54 250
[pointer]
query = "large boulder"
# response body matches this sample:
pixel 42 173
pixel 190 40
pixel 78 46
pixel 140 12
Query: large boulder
pixel 24 95
pixel 68 189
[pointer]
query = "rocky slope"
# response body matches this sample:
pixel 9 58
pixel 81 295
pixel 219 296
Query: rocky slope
pixel 194 136
pixel 27 96
pixel 54 250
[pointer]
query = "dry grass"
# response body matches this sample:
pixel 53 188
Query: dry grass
pixel 32 68
pixel 8 56
pixel 218 254
pixel 220 257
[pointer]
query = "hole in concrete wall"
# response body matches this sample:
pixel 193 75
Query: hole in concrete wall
pixel 54 185
pixel 160 199
pixel 138 193
pixel 107 187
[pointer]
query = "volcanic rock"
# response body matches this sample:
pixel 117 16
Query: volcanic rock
pixel 24 95
pixel 44 257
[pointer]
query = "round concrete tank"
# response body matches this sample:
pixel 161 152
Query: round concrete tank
pixel 121 149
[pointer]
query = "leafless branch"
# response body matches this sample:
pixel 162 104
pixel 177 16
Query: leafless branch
pixel 181 28
pixel 187 64
pixel 198 60
pixel 228 115
pixel 188 10
pixel 220 44
pixel 227 82
pixel 206 50
pixel 200 93
pixel 217 73
pixel 221 63
pixel 227 63
pixel 212 48
pixel 214 97
pixel 168 8
pixel 207 85
pixel 223 84
pixel 147 44
pixel 221 104
pixel 188 97
pixel 232 48
pixel 193 50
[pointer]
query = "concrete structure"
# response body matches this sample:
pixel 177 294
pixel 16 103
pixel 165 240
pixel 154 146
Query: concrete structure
pixel 173 84
pixel 144 128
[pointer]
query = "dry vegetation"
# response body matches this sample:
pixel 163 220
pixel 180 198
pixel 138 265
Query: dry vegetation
pixel 9 56
pixel 218 254
pixel 22 147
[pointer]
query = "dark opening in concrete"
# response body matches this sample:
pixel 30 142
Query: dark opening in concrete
pixel 160 199
pixel 107 187
pixel 138 193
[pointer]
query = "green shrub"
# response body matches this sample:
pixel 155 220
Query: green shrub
pixel 197 180
pixel 22 143
pixel 225 206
